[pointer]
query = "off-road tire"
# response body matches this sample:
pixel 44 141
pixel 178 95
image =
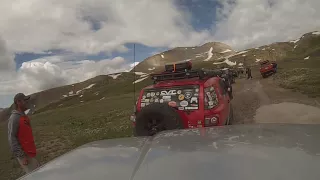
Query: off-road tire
pixel 231 116
pixel 163 113
pixel 263 76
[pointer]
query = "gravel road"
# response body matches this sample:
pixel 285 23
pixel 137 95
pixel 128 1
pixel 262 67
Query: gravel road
pixel 261 101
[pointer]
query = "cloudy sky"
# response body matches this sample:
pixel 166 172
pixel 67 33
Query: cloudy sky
pixel 48 43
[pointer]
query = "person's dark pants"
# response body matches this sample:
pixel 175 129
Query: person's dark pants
pixel 230 92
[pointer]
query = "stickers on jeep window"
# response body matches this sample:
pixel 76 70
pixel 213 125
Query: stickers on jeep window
pixel 168 92
pixel 181 108
pixel 184 103
pixel 186 97
pixel 191 108
pixel 181 97
pixel 211 99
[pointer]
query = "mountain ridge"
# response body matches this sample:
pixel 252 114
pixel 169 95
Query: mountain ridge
pixel 209 55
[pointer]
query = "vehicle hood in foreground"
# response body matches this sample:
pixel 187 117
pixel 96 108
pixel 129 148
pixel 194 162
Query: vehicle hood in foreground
pixel 241 152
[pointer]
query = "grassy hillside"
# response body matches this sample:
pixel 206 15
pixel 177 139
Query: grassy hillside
pixel 300 70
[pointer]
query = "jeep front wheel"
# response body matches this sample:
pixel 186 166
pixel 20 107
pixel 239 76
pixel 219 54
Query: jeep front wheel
pixel 155 118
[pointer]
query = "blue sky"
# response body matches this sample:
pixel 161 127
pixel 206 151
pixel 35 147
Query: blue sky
pixel 45 44
pixel 202 13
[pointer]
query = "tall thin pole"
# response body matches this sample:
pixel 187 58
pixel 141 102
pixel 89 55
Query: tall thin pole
pixel 134 73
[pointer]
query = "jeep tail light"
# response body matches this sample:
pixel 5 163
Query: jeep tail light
pixel 211 121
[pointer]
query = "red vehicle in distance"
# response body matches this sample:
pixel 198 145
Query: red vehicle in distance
pixel 267 67
pixel 182 98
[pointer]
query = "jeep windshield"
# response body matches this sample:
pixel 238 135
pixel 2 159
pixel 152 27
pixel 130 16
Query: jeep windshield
pixel 264 63
pixel 186 97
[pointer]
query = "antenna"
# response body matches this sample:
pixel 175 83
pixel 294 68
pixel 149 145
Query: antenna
pixel 134 74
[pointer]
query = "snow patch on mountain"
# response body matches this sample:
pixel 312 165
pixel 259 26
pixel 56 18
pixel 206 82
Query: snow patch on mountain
pixel 140 73
pixel 307 57
pixel 210 54
pixel 295 41
pixel 225 51
pixel 241 52
pixel 230 63
pixel 139 80
pixel 114 76
pixel 90 86
pixel 316 33
pixel 151 69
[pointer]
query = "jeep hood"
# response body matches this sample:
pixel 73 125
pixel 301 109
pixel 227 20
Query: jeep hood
pixel 239 152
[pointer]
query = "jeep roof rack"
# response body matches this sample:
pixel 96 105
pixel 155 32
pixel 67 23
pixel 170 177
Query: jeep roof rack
pixel 183 71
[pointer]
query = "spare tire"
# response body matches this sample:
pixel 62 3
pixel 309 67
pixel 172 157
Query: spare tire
pixel 155 118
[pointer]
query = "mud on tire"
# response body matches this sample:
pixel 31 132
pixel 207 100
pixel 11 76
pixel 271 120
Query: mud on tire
pixel 155 118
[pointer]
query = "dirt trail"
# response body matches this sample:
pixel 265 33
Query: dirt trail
pixel 261 101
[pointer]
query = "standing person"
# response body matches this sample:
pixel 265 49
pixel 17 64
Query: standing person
pixel 249 73
pixel 20 135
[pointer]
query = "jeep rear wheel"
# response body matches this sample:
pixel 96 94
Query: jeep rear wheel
pixel 155 118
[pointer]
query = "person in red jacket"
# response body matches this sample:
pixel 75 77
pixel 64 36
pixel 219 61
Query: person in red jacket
pixel 20 135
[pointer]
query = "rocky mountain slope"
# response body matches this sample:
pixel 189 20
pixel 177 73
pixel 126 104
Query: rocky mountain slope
pixel 209 55
pixel 207 52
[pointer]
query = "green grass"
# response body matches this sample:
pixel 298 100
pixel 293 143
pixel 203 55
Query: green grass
pixel 300 75
pixel 60 130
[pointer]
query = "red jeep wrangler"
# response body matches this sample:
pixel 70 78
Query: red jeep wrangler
pixel 267 67
pixel 182 98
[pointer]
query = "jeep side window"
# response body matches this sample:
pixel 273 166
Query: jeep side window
pixel 222 87
pixel 211 98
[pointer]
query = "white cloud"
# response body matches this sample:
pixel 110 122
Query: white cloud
pixel 49 72
pixel 249 23
pixel 7 64
pixel 37 25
